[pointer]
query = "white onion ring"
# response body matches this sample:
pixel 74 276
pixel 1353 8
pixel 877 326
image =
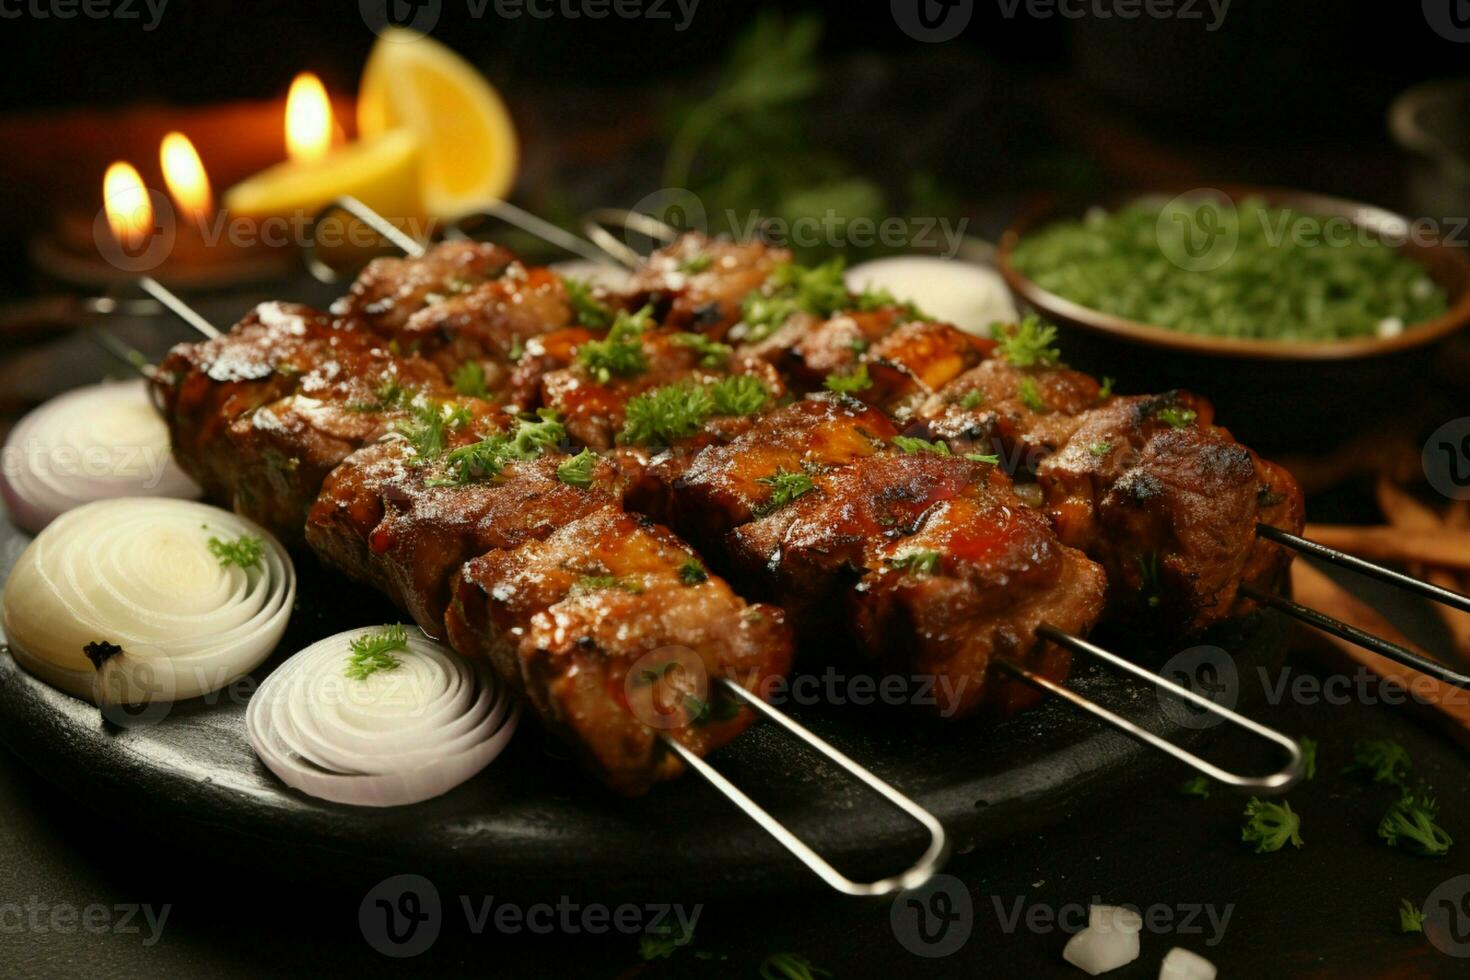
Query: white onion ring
pixel 94 443
pixel 398 736
pixel 139 573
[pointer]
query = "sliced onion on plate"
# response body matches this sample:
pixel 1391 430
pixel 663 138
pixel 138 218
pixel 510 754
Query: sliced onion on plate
pixel 94 443
pixel 410 722
pixel 146 600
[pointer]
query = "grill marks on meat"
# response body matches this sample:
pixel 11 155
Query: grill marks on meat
pixel 613 641
pixel 698 283
pixel 920 545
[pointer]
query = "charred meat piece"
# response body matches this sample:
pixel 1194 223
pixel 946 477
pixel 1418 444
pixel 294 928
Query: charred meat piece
pixel 1021 415
pixel 1168 504
pixel 277 349
pixel 699 283
pixel 814 509
pixel 614 632
pixel 388 518
pixel 390 290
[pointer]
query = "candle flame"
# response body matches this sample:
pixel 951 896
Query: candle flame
pixel 308 119
pixel 129 210
pixel 184 174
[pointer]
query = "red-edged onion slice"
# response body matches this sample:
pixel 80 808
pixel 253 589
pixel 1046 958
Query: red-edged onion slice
pixel 94 443
pixel 140 574
pixel 398 736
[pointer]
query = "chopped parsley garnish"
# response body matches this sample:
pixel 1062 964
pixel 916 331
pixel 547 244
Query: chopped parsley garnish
pixel 1105 391
pixel 577 471
pixel 739 394
pixel 620 353
pixel 517 349
pixel 820 291
pixel 1198 786
pixel 1410 822
pixel 486 458
pixel 426 430
pixel 245 551
pixel 1271 826
pixel 1411 919
pixel 1030 396
pixel 790 966
pixel 785 487
pixel 972 399
pixel 1176 417
pixel 1384 759
pixel 859 344
pixel 601 583
pixel 660 942
pixel 1100 448
pixel 665 415
pixel 876 299
pixel 851 383
pixel 711 353
pixel 1309 757
pixel 1026 344
pixel 992 458
pixel 692 572
pixel 469 379
pixel 388 395
pixel 910 444
pixel 374 651
pixel 591 313
pixel 695 265
pixel 917 562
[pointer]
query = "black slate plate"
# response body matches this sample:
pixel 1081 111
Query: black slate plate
pixel 531 824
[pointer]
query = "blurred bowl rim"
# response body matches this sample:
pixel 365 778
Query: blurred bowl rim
pixel 1368 216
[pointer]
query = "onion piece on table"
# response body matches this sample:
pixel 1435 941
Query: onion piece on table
pixel 970 296
pixel 1109 941
pixel 145 600
pixel 1181 964
pixel 379 717
pixel 95 443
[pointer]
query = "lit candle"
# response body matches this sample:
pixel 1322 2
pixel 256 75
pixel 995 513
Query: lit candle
pixel 129 210
pixel 381 172
pixel 183 173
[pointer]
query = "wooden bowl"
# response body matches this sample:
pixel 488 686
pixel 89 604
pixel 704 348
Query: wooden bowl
pixel 1280 394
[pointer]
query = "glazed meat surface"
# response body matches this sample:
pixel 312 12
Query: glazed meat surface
pixel 390 291
pixel 699 283
pixel 615 634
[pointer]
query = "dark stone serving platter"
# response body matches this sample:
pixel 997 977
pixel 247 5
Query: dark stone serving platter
pixel 530 823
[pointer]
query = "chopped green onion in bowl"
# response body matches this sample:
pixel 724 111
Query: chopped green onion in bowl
pixel 1245 270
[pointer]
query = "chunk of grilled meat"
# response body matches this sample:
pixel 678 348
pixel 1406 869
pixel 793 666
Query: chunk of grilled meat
pixel 387 294
pixel 812 508
pixel 387 518
pixel 276 350
pixel 698 283
pixel 614 632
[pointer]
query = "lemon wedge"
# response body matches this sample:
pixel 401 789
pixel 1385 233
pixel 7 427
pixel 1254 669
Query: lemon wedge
pixel 469 144
pixel 382 172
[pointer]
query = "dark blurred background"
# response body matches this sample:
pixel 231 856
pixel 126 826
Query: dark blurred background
pixel 1023 99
